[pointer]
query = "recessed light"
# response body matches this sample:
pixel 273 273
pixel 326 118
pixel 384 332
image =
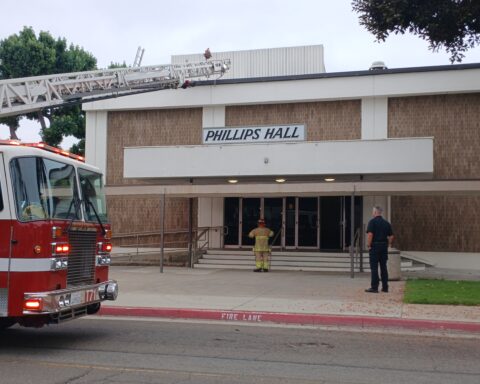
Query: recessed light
pixel 329 179
pixel 280 180
pixel 233 181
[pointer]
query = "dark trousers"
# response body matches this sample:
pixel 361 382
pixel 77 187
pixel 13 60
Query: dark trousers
pixel 378 257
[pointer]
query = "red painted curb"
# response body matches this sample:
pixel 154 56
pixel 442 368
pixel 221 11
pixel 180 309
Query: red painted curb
pixel 289 318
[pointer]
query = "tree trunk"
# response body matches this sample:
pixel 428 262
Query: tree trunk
pixel 41 119
pixel 13 132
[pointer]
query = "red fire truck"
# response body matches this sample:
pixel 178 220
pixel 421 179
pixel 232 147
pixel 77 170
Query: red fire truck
pixel 54 237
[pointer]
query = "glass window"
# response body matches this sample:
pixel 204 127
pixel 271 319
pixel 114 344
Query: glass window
pixel 44 189
pixel 93 194
pixel 63 190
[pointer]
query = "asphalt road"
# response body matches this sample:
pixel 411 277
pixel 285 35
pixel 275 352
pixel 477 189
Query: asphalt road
pixel 134 351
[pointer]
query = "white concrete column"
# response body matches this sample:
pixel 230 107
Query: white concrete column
pixel 96 140
pixel 213 116
pixel 210 209
pixel 210 214
pixel 374 118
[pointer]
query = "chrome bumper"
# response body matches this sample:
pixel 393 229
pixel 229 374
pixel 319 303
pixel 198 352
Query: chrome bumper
pixel 70 298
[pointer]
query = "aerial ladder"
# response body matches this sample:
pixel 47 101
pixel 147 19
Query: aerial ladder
pixel 30 94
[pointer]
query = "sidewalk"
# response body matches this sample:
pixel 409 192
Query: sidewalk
pixel 309 298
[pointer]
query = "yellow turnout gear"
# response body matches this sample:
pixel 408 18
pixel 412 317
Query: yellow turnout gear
pixel 261 247
pixel 261 236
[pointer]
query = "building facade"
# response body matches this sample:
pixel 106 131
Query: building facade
pixel 305 150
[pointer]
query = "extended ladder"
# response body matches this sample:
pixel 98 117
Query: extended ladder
pixel 29 94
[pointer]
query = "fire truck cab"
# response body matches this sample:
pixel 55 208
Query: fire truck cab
pixel 54 236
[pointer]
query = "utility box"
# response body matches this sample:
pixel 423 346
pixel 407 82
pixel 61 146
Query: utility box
pixel 394 266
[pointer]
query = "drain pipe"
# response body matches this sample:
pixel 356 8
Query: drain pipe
pixel 162 233
pixel 352 234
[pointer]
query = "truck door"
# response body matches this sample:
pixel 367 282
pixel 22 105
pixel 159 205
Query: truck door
pixel 5 237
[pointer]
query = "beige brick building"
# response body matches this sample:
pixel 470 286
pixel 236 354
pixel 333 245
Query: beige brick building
pixel 295 145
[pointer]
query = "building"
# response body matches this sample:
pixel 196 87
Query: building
pixel 281 138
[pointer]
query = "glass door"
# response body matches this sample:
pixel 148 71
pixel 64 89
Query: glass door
pixel 331 222
pixel 358 212
pixel 308 222
pixel 291 222
pixel 249 220
pixel 273 215
pixel 231 219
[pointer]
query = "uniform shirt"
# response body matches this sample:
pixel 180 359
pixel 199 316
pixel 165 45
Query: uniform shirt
pixel 380 228
pixel 261 235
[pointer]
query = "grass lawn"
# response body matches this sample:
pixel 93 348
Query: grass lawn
pixel 424 291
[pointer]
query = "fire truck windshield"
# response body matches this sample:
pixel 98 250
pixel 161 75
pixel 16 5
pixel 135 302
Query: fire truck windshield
pixel 44 189
pixel 93 195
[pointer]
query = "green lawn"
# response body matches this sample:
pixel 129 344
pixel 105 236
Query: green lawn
pixel 424 291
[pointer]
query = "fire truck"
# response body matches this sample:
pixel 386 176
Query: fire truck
pixel 54 231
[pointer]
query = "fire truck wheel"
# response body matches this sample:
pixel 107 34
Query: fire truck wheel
pixel 93 308
pixel 6 322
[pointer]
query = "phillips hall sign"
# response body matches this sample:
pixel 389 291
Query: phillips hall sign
pixel 236 135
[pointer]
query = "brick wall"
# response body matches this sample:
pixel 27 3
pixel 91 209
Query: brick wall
pixel 140 214
pixel 454 122
pixel 148 128
pixel 436 223
pixel 331 120
pixel 440 223
pixel 130 214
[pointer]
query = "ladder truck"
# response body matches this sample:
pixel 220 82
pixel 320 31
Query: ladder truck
pixel 55 239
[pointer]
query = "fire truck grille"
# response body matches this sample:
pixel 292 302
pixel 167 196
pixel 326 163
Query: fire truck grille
pixel 81 260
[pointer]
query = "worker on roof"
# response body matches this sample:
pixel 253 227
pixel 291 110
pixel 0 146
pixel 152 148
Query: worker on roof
pixel 261 248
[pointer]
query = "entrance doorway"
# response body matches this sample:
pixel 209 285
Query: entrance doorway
pixel 298 222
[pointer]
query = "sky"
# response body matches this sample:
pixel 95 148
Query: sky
pixel 112 30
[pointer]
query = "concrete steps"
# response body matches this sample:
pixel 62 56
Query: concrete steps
pixel 291 261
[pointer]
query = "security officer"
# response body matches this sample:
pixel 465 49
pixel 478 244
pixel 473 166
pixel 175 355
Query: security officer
pixel 379 238
pixel 261 248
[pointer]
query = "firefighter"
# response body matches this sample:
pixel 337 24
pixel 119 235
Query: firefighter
pixel 261 248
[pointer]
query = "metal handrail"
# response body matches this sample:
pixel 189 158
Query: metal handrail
pixel 207 230
pixel 199 233
pixel 151 233
pixel 276 237
pixel 358 248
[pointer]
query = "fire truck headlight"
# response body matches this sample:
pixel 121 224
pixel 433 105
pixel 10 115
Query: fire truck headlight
pixel 103 260
pixel 61 301
pixel 111 291
pixel 58 263
pixel 108 291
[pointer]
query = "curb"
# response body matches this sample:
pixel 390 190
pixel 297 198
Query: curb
pixel 291 318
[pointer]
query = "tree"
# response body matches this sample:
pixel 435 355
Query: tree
pixel 114 65
pixel 25 54
pixel 450 24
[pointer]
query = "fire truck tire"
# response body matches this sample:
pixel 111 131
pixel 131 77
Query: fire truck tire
pixel 6 322
pixel 93 308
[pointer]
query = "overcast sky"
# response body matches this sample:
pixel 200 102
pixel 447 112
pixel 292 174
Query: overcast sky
pixel 113 29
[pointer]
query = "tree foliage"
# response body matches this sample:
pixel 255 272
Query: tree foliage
pixel 450 24
pixel 114 65
pixel 24 54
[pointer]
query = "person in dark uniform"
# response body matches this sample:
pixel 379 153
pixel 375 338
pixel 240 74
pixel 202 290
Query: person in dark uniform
pixel 379 238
